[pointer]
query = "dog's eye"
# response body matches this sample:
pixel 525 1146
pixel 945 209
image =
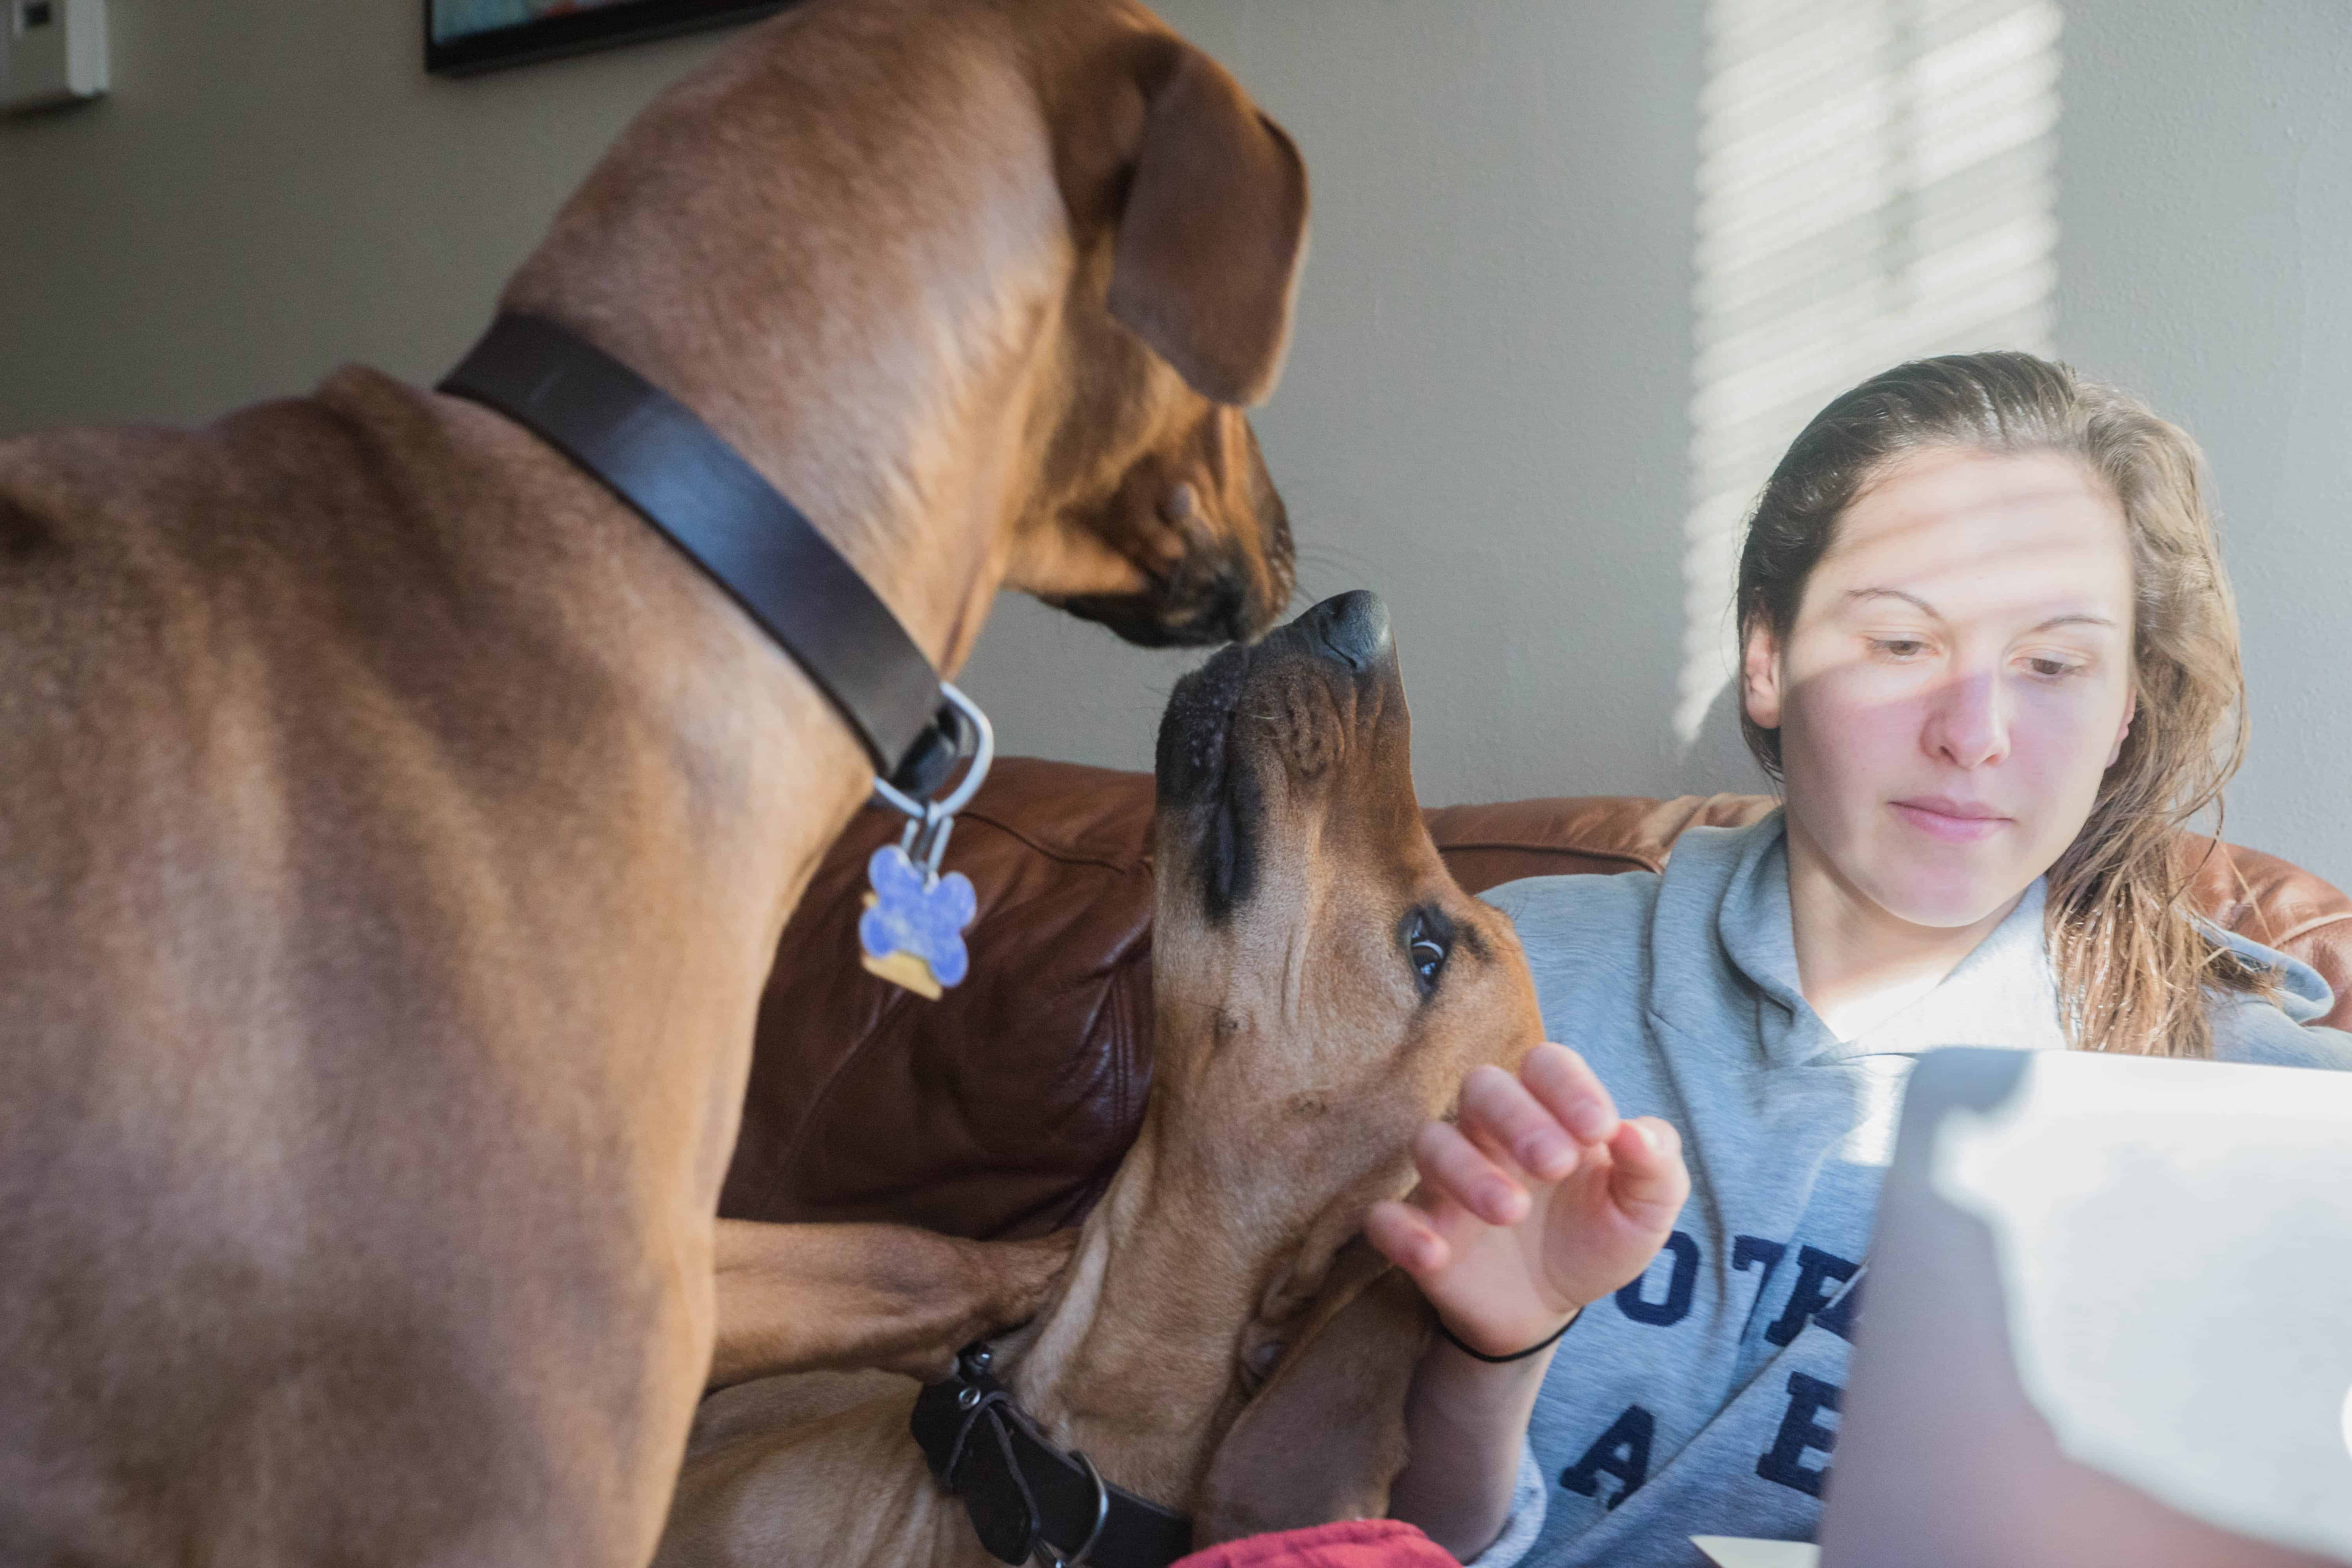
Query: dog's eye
pixel 1426 945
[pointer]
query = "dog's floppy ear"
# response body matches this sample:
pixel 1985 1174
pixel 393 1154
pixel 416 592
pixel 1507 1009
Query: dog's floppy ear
pixel 1325 1437
pixel 1212 233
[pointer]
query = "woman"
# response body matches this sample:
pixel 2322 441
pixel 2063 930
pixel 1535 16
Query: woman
pixel 1990 652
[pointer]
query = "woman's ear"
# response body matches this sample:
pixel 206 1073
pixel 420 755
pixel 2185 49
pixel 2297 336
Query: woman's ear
pixel 1759 674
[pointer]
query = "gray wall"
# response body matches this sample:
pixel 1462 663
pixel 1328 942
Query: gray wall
pixel 1488 413
pixel 272 188
pixel 1484 414
pixel 2206 260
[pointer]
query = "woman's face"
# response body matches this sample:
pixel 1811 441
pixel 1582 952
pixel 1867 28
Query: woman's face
pixel 1958 681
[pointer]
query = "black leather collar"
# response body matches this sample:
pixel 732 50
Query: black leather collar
pixel 1027 1497
pixel 652 452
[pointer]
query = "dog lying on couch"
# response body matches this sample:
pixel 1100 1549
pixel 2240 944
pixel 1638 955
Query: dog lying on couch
pixel 1222 1344
pixel 395 832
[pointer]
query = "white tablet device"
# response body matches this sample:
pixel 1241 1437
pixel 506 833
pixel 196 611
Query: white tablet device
pixel 2106 1320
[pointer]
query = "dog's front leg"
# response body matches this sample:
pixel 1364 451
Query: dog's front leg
pixel 801 1297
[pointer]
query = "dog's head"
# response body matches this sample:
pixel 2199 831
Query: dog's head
pixel 1323 985
pixel 1321 980
pixel 1013 263
pixel 1187 211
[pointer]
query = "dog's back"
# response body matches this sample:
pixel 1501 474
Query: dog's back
pixel 236 666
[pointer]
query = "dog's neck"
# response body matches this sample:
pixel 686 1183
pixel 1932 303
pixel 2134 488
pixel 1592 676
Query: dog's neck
pixel 886 378
pixel 1135 1361
pixel 887 386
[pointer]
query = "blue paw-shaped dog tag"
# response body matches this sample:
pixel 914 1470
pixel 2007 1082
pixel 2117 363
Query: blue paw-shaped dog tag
pixel 912 929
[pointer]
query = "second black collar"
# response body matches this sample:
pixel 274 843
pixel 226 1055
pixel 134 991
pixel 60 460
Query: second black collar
pixel 1027 1497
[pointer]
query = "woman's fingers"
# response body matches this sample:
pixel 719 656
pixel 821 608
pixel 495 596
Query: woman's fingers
pixel 1570 1092
pixel 1648 1179
pixel 1452 1165
pixel 1402 1234
pixel 1501 1116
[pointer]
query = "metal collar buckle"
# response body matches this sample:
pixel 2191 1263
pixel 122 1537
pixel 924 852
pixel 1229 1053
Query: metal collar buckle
pixel 1053 1559
pixel 978 1398
pixel 930 821
pixel 1018 1487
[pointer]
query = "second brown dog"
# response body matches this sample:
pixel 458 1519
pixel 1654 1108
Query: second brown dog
pixel 1218 1345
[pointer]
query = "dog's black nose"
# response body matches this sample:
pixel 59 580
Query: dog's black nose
pixel 1353 625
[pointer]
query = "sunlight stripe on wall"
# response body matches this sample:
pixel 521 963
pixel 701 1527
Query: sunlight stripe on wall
pixel 1877 180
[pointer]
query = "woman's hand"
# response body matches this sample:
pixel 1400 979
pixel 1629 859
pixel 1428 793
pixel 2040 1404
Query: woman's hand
pixel 1537 1201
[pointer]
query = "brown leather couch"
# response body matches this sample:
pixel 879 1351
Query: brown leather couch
pixel 1001 1110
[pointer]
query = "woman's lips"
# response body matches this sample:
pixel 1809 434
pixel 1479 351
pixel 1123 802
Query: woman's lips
pixel 1952 822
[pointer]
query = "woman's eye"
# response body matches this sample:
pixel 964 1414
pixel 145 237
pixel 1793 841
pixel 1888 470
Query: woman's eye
pixel 2052 668
pixel 1899 648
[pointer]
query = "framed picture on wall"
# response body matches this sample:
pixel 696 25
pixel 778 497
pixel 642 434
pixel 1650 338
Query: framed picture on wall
pixel 462 36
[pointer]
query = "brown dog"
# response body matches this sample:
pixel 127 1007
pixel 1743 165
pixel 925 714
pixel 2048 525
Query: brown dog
pixel 395 831
pixel 1321 985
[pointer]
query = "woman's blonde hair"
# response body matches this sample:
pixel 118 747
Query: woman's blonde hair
pixel 2131 959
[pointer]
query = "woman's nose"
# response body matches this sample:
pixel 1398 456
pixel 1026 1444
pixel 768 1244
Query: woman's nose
pixel 1967 722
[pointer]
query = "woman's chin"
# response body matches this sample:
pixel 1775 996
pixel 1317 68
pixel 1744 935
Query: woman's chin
pixel 1948 898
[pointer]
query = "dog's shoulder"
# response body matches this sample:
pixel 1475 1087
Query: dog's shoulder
pixel 153 568
pixel 67 491
pixel 129 495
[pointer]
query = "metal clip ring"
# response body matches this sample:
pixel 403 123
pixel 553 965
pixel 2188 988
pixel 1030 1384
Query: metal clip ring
pixel 930 821
pixel 1053 1559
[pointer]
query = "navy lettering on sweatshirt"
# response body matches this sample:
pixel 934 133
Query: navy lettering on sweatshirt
pixel 1623 1452
pixel 1802 1433
pixel 1682 1255
pixel 1819 1274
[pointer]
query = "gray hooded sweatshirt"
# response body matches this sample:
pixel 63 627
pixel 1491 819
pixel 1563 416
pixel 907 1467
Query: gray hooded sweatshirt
pixel 1703 1398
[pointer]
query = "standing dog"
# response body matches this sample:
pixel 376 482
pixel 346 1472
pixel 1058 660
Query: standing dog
pixel 395 831
pixel 1320 987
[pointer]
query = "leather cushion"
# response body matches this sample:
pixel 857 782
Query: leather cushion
pixel 1001 1110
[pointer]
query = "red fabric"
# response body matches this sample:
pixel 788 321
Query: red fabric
pixel 1349 1544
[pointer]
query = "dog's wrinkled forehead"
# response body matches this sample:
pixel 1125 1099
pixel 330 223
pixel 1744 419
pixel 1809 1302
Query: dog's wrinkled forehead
pixel 1309 943
pixel 1315 707
pixel 1208 807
